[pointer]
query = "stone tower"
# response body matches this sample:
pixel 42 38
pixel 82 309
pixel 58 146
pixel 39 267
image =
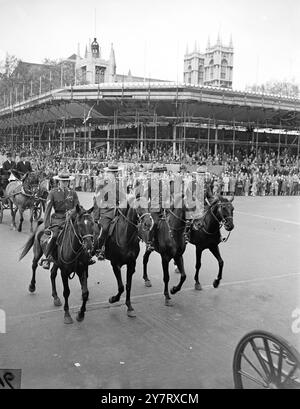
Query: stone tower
pixel 92 68
pixel 213 67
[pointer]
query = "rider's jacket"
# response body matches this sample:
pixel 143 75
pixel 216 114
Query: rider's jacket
pixel 8 166
pixel 109 196
pixel 61 200
pixel 23 167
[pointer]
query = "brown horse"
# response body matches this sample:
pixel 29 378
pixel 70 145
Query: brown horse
pixel 169 242
pixel 205 233
pixel 26 195
pixel 74 247
pixel 122 246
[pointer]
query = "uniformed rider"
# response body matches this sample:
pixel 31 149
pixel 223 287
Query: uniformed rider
pixel 61 199
pixel 106 209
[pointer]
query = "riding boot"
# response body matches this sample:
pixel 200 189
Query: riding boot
pixel 187 231
pixel 45 263
pixel 100 254
pixel 150 242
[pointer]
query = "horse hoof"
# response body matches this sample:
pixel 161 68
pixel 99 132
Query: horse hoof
pixel 131 313
pixel 148 283
pixel 79 317
pixel 216 283
pixel 173 290
pixel 169 303
pixel 112 299
pixel 198 286
pixel 68 319
pixel 31 288
pixel 57 302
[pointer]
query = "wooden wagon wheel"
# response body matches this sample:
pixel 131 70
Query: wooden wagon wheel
pixel 263 360
pixel 1 210
pixel 38 210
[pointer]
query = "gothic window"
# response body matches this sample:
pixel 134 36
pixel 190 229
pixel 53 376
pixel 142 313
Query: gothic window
pixel 223 68
pixel 190 67
pixel 200 74
pixel 83 74
pixel 99 74
pixel 211 68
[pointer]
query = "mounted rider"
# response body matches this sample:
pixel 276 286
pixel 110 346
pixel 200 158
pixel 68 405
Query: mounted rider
pixel 155 189
pixel 61 199
pixel 9 166
pixel 23 166
pixel 106 209
pixel 199 194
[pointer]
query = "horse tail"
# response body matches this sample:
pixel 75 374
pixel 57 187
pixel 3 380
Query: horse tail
pixel 30 241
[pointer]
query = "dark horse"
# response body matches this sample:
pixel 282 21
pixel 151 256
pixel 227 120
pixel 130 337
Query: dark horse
pixel 122 246
pixel 205 233
pixel 170 243
pixel 25 195
pixel 74 247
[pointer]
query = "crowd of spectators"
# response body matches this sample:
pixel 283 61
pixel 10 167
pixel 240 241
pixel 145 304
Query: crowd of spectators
pixel 261 173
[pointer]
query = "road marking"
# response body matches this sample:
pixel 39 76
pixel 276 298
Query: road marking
pixel 269 218
pixel 135 297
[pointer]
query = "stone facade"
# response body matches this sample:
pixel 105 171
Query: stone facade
pixel 214 67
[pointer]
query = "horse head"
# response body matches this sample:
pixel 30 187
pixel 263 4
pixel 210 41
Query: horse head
pixel 83 223
pixel 222 208
pixel 140 213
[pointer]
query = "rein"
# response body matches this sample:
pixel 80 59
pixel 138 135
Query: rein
pixel 220 222
pixel 79 239
pixel 165 218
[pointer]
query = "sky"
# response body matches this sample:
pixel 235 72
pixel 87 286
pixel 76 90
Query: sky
pixel 150 36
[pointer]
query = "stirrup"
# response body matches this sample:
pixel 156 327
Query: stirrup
pixel 46 264
pixel 149 246
pixel 101 254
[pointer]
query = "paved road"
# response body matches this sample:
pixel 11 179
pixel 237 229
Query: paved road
pixel 189 345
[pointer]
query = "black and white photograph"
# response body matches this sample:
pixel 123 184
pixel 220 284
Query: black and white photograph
pixel 149 197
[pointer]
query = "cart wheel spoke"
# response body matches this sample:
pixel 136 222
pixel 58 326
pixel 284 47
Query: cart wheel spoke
pixel 259 357
pixel 269 356
pixel 254 367
pixel 248 376
pixel 279 365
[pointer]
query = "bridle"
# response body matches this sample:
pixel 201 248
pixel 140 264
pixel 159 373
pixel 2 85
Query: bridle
pixel 140 220
pixel 81 239
pixel 221 222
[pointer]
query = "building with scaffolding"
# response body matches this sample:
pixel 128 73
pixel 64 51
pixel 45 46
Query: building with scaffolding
pixel 179 116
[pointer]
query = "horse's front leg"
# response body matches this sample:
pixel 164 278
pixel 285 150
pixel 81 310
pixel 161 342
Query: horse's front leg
pixel 31 219
pixel 53 274
pixel 165 265
pixel 145 264
pixel 64 276
pixel 117 272
pixel 180 266
pixel 21 220
pixel 198 266
pixel 37 254
pixel 130 272
pixel 215 251
pixel 13 215
pixel 83 274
